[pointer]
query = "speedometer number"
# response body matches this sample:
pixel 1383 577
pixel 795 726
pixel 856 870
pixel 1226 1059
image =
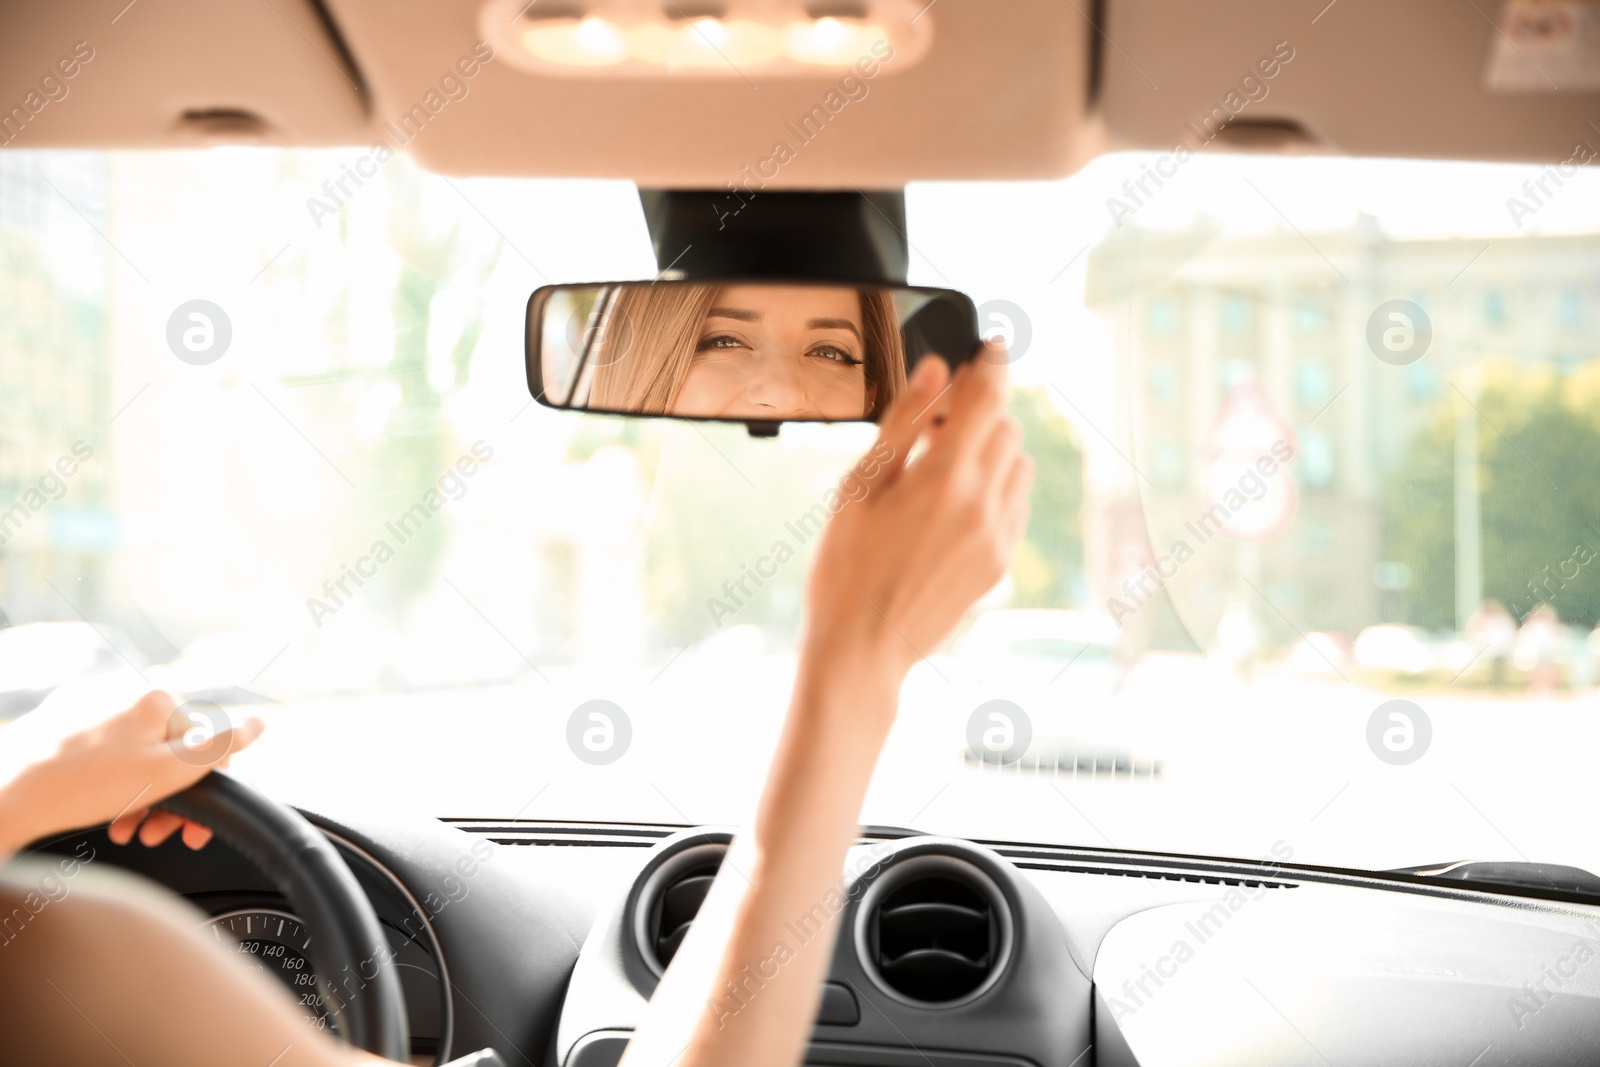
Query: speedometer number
pixel 278 943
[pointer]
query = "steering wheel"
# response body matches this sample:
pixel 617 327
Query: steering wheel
pixel 348 949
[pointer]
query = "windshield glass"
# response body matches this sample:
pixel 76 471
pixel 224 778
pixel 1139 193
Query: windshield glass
pixel 1311 560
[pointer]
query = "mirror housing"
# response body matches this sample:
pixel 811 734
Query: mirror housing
pixel 758 352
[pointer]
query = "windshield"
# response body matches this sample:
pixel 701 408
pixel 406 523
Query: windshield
pixel 1310 563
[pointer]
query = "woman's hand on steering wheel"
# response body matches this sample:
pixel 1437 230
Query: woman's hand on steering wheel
pixel 115 770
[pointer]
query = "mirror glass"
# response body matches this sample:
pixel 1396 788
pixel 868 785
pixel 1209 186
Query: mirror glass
pixel 742 351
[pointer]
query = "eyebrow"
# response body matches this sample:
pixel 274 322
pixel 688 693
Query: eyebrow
pixel 833 324
pixel 747 315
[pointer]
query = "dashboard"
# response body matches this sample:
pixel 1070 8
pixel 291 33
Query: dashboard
pixel 544 942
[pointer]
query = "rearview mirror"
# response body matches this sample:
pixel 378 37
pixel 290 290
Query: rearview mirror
pixel 761 353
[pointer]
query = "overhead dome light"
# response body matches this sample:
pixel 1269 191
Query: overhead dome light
pixel 587 42
pixel 624 38
pixel 710 31
pixel 704 43
pixel 830 41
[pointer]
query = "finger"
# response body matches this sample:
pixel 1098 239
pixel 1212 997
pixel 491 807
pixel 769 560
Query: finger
pixel 236 739
pixel 195 835
pixel 1014 499
pixel 153 710
pixel 194 762
pixel 994 351
pixel 905 421
pixel 172 769
pixel 245 734
pixel 978 397
pixel 1000 450
pixel 933 378
pixel 158 827
pixel 121 829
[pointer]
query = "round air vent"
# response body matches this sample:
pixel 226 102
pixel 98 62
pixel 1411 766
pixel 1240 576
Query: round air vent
pixel 671 898
pixel 934 931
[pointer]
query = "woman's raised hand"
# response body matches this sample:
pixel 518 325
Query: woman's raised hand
pixel 923 537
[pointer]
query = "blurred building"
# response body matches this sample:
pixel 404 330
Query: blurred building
pixel 1195 314
pixel 54 528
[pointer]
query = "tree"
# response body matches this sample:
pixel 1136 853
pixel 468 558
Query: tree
pixel 1049 564
pixel 429 363
pixel 1539 483
pixel 751 500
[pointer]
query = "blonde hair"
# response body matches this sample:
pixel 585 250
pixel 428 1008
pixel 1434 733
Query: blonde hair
pixel 660 327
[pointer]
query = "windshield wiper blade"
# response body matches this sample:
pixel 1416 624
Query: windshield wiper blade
pixel 1523 874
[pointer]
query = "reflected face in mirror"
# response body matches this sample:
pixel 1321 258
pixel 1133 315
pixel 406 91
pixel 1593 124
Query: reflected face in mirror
pixel 739 350
pixel 779 352
pixel 747 351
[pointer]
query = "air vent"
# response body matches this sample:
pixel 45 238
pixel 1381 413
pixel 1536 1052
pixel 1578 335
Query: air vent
pixel 671 898
pixel 934 931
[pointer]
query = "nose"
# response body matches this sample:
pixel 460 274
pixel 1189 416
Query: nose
pixel 777 385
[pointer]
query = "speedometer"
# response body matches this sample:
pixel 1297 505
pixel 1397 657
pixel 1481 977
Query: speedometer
pixel 277 942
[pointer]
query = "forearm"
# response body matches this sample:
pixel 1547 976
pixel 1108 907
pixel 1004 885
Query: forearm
pixel 916 546
pixel 20 822
pixel 746 991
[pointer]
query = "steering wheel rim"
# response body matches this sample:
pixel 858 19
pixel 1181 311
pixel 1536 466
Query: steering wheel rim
pixel 346 940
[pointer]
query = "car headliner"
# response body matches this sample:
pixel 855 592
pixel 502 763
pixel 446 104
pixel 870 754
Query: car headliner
pixel 1015 89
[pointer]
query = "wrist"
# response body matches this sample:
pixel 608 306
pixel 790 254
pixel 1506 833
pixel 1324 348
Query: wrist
pixel 868 654
pixel 847 692
pixel 848 681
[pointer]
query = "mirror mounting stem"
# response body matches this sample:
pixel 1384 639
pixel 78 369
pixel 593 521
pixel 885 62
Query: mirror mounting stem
pixel 850 238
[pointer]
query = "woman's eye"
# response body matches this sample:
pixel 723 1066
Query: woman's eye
pixel 837 355
pixel 718 342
